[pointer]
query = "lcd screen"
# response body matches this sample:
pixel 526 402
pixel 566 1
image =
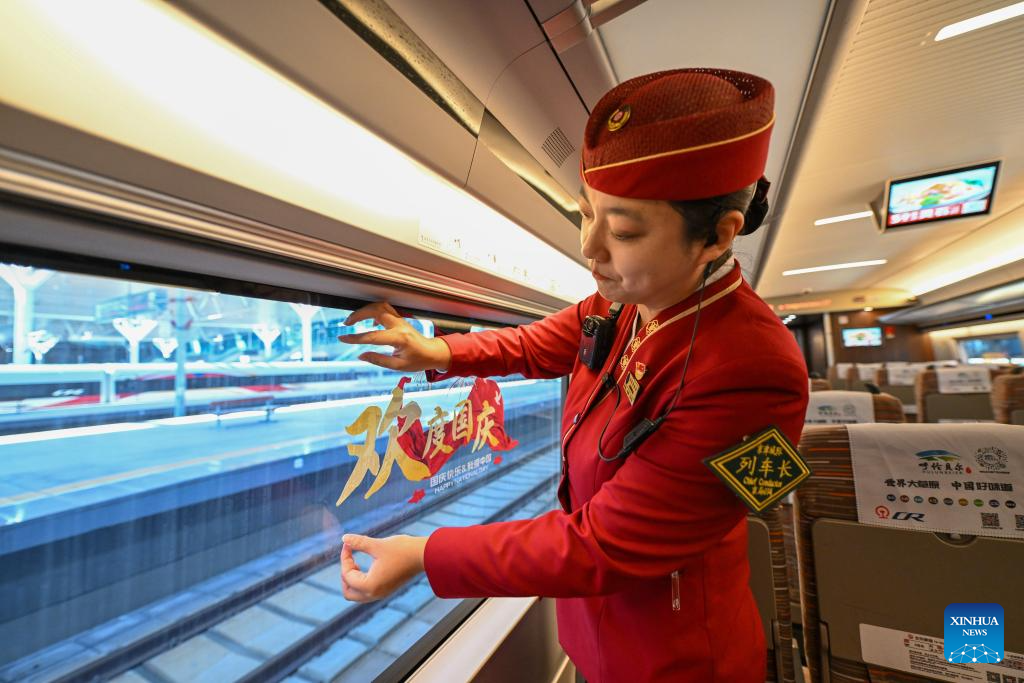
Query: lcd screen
pixel 940 196
pixel 862 336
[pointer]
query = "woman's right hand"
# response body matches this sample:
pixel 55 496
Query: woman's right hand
pixel 412 351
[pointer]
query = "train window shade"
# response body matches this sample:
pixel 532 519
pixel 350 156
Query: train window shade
pixel 177 466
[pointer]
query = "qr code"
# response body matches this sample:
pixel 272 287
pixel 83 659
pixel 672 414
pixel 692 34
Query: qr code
pixel 1020 522
pixel 990 520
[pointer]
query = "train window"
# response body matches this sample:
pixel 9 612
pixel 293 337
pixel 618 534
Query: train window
pixel 1003 348
pixel 177 467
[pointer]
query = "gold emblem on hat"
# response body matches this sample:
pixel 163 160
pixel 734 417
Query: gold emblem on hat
pixel 652 326
pixel 619 117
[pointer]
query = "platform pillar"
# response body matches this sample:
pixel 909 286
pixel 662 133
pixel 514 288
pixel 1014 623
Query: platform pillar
pixel 306 312
pixel 23 281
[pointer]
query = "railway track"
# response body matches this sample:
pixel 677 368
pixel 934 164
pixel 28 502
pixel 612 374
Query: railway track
pixel 283 616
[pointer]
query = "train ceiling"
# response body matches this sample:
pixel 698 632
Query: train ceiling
pixel 497 49
pixel 864 93
pixel 778 41
pixel 902 104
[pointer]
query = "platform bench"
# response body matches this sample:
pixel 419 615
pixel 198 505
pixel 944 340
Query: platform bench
pixel 237 405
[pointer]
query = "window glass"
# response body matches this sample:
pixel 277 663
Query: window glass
pixel 177 467
pixel 1005 348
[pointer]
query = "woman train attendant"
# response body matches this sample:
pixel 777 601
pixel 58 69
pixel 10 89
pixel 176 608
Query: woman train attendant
pixel 648 555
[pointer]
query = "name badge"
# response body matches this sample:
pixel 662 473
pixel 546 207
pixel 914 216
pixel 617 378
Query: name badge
pixel 761 470
pixel 632 388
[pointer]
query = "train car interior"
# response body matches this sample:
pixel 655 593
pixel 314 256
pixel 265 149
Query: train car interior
pixel 195 195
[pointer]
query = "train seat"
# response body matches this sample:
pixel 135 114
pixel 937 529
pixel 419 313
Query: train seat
pixel 898 380
pixel 1008 398
pixel 859 579
pixel 837 375
pixel 859 373
pixel 883 408
pixel 957 394
pixel 818 384
pixel 770 586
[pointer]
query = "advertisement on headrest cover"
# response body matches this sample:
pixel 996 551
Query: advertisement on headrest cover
pixel 965 479
pixel 839 408
pixel 964 380
pixel 903 375
pixel 866 371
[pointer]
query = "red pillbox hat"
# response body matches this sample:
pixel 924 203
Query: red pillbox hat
pixel 679 135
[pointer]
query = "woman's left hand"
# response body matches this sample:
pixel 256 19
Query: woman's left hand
pixel 396 559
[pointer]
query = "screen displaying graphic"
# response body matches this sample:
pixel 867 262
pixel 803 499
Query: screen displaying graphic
pixel 938 196
pixel 862 336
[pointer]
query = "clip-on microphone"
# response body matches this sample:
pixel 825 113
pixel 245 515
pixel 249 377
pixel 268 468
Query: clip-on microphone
pixel 597 337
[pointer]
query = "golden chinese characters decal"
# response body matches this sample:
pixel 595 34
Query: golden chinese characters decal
pixel 421 453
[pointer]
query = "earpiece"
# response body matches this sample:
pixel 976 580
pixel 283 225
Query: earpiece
pixel 758 208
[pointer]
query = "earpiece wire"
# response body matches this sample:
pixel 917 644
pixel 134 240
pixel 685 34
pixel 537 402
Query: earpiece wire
pixel 682 380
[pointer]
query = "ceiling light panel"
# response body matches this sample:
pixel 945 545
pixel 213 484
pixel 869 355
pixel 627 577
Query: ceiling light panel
pixel 845 217
pixel 835 266
pixel 981 21
pixel 1000 243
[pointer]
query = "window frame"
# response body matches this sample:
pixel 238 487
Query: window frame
pixel 142 253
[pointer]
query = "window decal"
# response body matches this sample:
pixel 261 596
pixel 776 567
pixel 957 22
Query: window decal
pixel 478 422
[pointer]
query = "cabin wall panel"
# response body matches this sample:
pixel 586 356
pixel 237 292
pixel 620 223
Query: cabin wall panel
pixel 809 333
pixel 908 343
pixel 817 360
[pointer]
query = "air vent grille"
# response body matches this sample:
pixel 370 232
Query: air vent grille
pixel 558 147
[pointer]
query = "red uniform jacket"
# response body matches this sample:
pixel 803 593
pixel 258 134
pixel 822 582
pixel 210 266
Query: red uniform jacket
pixel 625 526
